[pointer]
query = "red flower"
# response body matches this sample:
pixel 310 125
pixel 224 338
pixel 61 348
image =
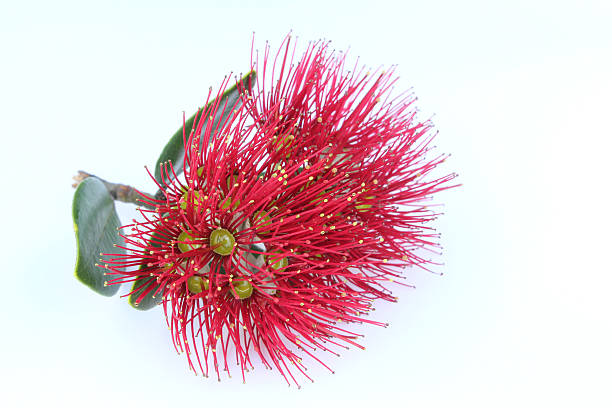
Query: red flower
pixel 295 214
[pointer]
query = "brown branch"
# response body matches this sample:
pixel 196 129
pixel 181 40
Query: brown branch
pixel 119 192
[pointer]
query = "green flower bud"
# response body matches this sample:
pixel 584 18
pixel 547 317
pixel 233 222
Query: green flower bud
pixel 243 288
pixel 222 241
pixel 277 263
pixel 228 202
pixel 184 243
pixel 196 284
pixel 192 197
pixel 261 220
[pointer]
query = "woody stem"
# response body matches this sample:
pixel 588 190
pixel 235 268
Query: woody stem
pixel 119 192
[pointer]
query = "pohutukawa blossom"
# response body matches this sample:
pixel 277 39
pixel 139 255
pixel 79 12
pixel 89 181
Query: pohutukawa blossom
pixel 294 214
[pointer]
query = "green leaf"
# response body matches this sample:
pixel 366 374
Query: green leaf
pixel 258 248
pixel 148 301
pixel 95 226
pixel 175 149
pixel 145 283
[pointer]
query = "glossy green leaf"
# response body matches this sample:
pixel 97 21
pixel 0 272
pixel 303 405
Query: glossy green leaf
pixel 148 301
pixel 258 248
pixel 175 149
pixel 95 226
pixel 146 284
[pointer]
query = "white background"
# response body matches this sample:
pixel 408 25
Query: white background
pixel 520 93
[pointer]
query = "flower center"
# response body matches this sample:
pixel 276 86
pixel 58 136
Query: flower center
pixel 222 241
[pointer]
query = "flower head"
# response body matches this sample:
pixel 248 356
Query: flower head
pixel 293 214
